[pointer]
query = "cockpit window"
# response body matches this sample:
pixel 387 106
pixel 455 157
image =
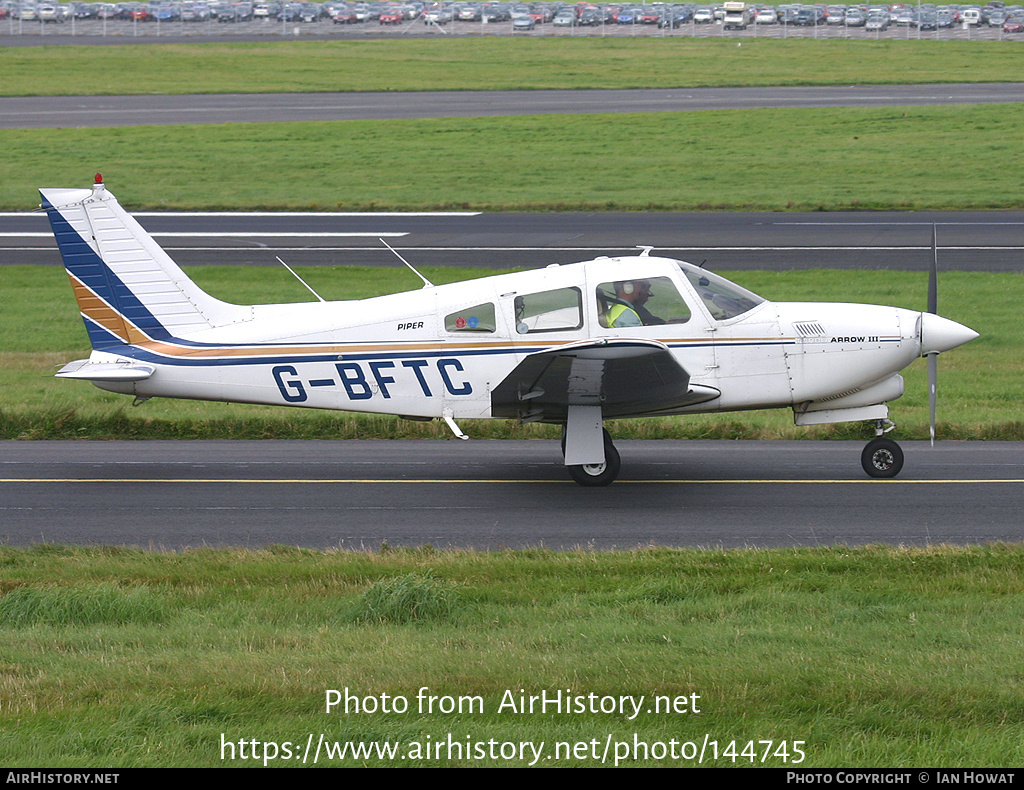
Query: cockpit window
pixel 649 301
pixel 723 299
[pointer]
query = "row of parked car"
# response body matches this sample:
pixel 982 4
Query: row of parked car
pixel 1010 18
pixel 163 11
pixel 926 16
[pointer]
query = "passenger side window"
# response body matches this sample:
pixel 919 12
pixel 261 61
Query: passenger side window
pixel 549 311
pixel 479 318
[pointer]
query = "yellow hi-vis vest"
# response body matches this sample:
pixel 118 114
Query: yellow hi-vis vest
pixel 617 311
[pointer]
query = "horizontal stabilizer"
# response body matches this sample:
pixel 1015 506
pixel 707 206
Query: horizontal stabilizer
pixel 105 371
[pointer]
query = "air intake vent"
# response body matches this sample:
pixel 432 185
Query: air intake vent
pixel 840 395
pixel 809 329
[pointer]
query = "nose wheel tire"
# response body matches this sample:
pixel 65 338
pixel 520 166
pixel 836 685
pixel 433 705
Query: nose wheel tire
pixel 597 475
pixel 882 458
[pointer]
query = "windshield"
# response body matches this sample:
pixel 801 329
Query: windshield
pixel 723 299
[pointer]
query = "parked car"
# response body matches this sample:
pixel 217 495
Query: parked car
pixel 235 12
pixel 972 16
pixel 878 21
pixel 834 15
pixel 676 18
pixel 438 15
pixel 566 17
pixel 628 16
pixel 496 13
pixel 855 17
pixel 808 17
pixel 542 13
pixel 165 13
pixel 195 12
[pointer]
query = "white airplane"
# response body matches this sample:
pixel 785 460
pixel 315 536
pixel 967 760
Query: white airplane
pixel 571 344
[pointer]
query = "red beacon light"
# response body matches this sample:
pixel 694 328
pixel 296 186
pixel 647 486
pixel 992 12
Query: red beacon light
pixel 98 179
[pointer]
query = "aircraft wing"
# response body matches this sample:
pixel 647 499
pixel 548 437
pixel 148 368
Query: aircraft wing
pixel 625 377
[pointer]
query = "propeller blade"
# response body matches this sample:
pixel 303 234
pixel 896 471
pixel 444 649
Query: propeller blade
pixel 933 276
pixel 933 358
pixel 933 384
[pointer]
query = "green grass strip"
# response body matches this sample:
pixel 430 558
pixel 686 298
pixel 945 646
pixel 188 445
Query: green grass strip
pixel 871 656
pixel 63 606
pixel 955 157
pixel 495 64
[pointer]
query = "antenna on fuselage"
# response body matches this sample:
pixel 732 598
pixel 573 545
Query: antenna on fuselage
pixel 426 282
pixel 308 286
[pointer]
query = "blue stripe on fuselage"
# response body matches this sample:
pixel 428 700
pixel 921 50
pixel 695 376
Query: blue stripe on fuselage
pixel 186 360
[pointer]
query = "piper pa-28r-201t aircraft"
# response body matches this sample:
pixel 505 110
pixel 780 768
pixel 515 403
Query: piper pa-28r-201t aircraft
pixel 571 344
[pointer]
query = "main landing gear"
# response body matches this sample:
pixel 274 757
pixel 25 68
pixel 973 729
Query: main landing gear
pixel 596 475
pixel 882 457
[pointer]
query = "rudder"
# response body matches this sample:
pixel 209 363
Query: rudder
pixel 128 289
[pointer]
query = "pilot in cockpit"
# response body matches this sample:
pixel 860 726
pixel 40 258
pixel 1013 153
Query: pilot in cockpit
pixel 627 307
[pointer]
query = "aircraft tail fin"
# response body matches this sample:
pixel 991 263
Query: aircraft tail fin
pixel 128 289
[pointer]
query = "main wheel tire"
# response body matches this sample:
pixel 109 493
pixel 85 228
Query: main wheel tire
pixel 882 458
pixel 597 475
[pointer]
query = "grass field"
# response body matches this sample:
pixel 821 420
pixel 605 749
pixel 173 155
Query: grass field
pixel 856 657
pixel 929 157
pixel 960 157
pixel 980 383
pixel 495 64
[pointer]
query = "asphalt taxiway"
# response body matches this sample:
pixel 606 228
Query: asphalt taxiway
pixel 490 494
pixel 25 112
pixel 725 241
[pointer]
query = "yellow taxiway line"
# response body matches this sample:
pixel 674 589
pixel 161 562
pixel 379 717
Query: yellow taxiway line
pixel 436 481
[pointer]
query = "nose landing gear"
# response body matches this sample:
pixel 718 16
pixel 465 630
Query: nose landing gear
pixel 882 457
